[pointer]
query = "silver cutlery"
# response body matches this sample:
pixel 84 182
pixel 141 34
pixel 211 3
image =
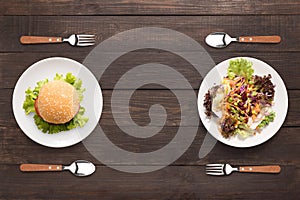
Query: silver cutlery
pixel 74 40
pixel 226 169
pixel 78 168
pixel 221 39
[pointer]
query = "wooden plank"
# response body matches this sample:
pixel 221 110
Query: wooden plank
pixel 136 7
pixel 283 148
pixel 197 27
pixel 185 178
pixel 180 182
pixel 285 63
pixel 139 108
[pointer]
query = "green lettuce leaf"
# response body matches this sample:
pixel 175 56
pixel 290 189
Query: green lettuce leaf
pixel 45 127
pixel 240 67
pixel 79 119
pixel 266 121
pixel 244 131
pixel 31 95
pixel 76 82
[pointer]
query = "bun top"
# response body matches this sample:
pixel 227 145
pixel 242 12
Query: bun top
pixel 58 102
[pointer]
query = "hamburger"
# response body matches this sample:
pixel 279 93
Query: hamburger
pixel 57 102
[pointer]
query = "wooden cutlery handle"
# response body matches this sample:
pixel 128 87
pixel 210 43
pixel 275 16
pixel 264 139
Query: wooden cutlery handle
pixel 262 169
pixel 39 39
pixel 39 167
pixel 260 39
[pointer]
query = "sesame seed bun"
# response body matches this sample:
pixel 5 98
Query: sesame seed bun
pixel 57 102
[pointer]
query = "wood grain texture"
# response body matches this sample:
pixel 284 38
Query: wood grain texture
pixel 21 61
pixel 25 39
pixel 140 104
pixel 173 182
pixel 196 27
pixel 282 149
pixel 39 167
pixel 261 169
pixel 144 7
pixel 260 39
pixel 185 178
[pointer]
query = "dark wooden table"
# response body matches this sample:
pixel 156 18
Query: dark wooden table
pixel 185 178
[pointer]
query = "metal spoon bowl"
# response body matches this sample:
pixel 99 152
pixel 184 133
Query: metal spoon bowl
pixel 219 39
pixel 81 168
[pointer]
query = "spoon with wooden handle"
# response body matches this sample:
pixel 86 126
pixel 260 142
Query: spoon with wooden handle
pixel 78 168
pixel 221 39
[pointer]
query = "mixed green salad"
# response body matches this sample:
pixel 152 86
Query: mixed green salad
pixel 245 100
pixel 79 119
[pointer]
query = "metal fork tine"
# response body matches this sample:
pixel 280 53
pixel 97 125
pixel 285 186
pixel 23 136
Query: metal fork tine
pixel 86 36
pixel 215 169
pixel 215 174
pixel 85 44
pixel 80 39
pixel 86 39
pixel 214 165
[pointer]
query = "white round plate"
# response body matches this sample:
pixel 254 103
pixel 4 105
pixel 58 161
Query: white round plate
pixel 47 69
pixel 280 106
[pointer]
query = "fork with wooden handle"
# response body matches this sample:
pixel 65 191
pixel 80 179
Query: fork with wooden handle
pixel 74 40
pixel 226 169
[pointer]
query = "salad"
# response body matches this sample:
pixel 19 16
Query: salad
pixel 32 94
pixel 242 102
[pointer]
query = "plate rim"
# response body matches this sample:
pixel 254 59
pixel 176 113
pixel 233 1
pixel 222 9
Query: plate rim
pixel 30 68
pixel 227 141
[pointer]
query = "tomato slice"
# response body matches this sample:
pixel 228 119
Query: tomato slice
pixel 36 107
